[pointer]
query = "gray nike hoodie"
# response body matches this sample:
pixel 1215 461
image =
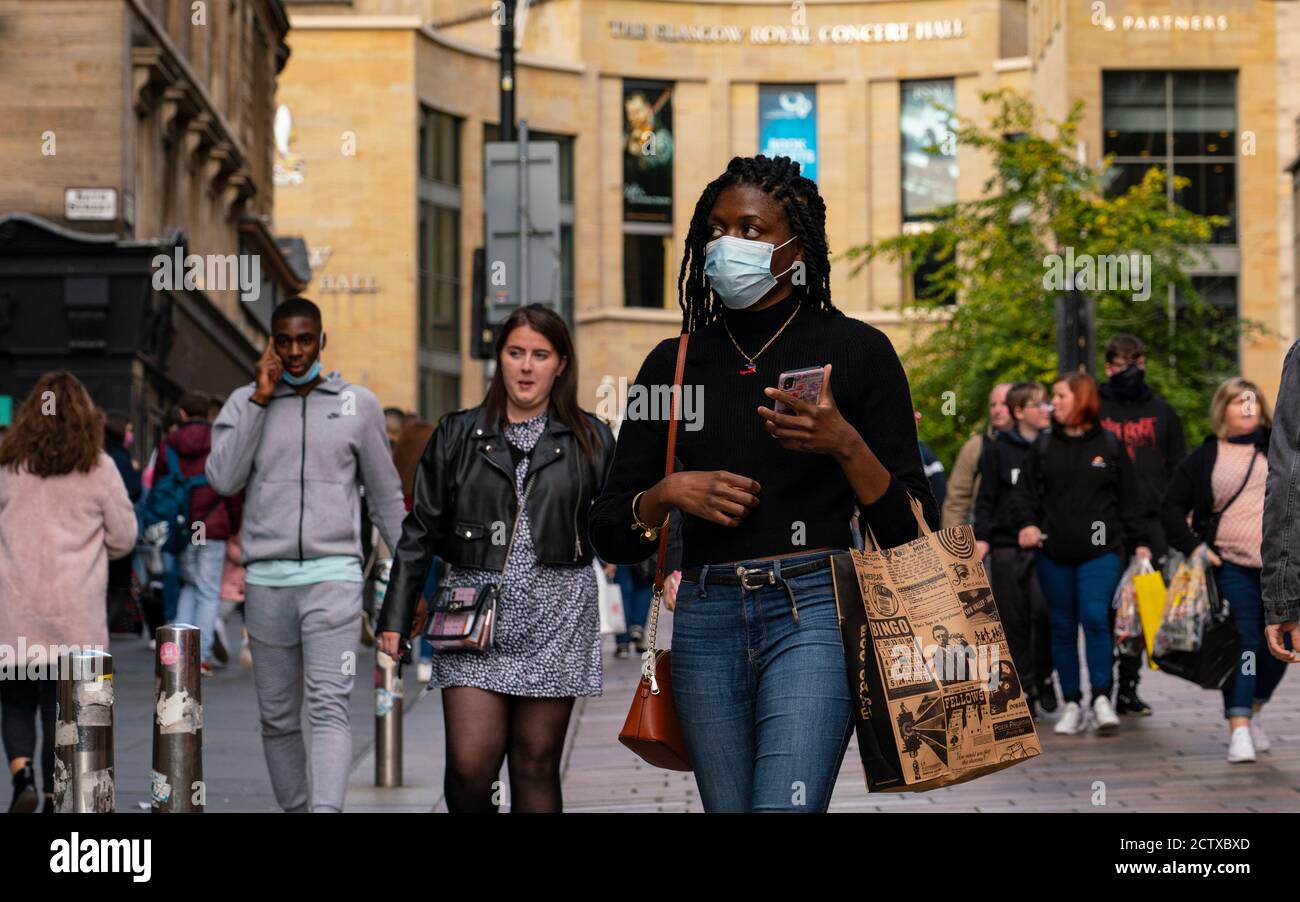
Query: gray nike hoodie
pixel 302 461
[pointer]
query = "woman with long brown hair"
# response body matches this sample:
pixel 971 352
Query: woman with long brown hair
pixel 1079 504
pixel 64 513
pixel 501 495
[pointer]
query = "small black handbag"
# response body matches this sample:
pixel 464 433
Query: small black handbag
pixel 462 618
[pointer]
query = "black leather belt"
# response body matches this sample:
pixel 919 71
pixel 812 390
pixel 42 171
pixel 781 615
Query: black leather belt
pixel 754 578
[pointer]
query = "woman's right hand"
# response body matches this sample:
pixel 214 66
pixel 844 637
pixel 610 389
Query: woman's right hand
pixel 670 589
pixel 1210 556
pixel 713 495
pixel 1030 537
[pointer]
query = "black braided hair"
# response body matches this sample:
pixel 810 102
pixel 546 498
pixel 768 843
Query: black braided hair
pixel 779 178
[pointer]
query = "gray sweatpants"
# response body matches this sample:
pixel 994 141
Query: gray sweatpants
pixel 305 637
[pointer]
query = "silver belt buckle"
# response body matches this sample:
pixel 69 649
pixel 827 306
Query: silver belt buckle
pixel 766 577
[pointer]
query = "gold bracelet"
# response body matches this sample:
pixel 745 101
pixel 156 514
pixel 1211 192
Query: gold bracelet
pixel 648 533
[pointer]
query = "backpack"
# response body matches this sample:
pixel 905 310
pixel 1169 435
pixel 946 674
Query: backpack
pixel 165 512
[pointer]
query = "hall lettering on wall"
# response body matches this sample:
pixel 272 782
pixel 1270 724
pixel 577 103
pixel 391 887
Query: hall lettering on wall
pixel 841 33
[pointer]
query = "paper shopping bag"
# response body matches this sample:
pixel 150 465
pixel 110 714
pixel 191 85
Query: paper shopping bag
pixel 936 697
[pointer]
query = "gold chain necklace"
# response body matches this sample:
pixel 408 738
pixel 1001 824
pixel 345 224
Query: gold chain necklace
pixel 750 370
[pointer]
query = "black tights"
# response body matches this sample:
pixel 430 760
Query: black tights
pixel 484 729
pixel 20 702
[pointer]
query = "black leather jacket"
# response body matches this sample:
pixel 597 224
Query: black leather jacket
pixel 464 504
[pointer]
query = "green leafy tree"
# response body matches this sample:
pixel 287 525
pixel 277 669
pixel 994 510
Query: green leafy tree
pixel 987 312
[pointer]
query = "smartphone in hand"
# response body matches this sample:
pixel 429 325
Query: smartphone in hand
pixel 805 384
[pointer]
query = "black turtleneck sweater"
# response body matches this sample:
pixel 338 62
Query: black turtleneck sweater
pixel 805 501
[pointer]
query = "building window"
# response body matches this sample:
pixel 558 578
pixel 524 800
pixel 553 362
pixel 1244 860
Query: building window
pixel 1184 122
pixel 648 158
pixel 929 157
pixel 929 164
pixel 439 263
pixel 439 147
pixel 439 394
pixel 645 264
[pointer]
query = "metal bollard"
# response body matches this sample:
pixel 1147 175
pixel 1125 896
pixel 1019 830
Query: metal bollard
pixel 83 734
pixel 388 699
pixel 388 722
pixel 177 784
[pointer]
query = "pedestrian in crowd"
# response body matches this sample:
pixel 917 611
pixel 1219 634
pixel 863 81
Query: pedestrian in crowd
pixel 300 444
pixel 765 498
pixel 933 468
pixel 233 592
pixel 1011 568
pixel 963 482
pixel 64 513
pixel 1153 435
pixel 394 423
pixel 166 568
pixel 523 465
pixel 1221 485
pixel 1078 502
pixel 201 563
pixel 118 437
pixel 1279 577
pixel 410 447
pixel 636 584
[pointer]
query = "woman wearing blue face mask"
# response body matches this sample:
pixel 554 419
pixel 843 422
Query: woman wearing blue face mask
pixel 758 669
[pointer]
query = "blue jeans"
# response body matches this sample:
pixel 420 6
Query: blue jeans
pixel 637 598
pixel 1080 594
pixel 200 573
pixel 1240 586
pixel 763 699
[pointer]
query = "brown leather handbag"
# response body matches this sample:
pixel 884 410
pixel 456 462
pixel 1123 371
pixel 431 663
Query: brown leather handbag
pixel 652 728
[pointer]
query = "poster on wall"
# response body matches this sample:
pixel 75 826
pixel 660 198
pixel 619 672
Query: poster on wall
pixel 929 147
pixel 647 152
pixel 787 125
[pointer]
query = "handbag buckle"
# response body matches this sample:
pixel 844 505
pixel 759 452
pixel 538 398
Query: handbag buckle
pixel 766 578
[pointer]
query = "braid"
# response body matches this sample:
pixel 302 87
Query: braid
pixel 779 178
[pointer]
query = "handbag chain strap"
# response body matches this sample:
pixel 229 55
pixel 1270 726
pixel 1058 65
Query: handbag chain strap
pixel 649 659
pixel 519 515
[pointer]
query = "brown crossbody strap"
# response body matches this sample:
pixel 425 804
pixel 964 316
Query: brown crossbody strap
pixel 651 656
pixel 675 394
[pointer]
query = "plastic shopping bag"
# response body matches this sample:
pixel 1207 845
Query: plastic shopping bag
pixel 612 620
pixel 1128 624
pixel 1186 611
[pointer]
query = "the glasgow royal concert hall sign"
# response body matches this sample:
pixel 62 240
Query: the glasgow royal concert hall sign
pixel 844 33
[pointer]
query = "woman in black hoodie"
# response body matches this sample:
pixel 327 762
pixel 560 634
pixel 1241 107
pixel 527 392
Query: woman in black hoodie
pixel 1221 484
pixel 1078 502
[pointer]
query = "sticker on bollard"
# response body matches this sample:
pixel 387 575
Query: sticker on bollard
pixel 169 653
pixel 159 790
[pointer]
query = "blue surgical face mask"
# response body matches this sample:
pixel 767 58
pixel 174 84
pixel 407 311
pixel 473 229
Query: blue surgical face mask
pixel 306 377
pixel 740 270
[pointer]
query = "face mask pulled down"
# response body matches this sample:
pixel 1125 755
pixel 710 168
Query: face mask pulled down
pixel 306 377
pixel 740 270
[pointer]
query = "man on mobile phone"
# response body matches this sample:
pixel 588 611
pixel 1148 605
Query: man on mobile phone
pixel 303 444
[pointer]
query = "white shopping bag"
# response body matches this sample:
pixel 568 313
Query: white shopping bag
pixel 612 620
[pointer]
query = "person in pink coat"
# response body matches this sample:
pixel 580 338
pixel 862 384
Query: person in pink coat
pixel 64 513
